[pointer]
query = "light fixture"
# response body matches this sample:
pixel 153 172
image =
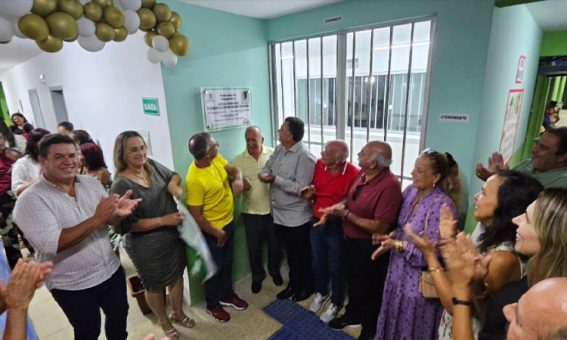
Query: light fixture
pixel 42 78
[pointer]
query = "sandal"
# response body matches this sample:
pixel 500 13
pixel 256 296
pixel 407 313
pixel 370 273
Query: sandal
pixel 187 322
pixel 171 333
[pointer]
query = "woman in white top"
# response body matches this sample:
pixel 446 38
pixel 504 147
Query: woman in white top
pixel 26 169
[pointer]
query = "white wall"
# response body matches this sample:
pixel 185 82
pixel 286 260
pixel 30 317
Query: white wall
pixel 103 92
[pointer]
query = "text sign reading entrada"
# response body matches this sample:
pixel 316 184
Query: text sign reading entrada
pixel 151 106
pixel 454 117
pixel 226 107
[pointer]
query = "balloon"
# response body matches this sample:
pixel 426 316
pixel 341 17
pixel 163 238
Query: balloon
pixel 86 27
pixel 147 19
pixel 62 25
pixel 93 11
pixel 179 44
pixel 154 56
pixel 84 2
pixel 15 8
pixel 169 59
pixel 17 31
pixel 104 32
pixel 91 44
pixel 51 44
pixel 114 17
pixel 131 5
pixel 131 21
pixel 33 26
pixel 71 7
pixel 149 38
pixel 162 12
pixel 148 3
pixel 120 34
pixel 160 43
pixel 166 29
pixel 6 30
pixel 176 20
pixel 103 3
pixel 44 7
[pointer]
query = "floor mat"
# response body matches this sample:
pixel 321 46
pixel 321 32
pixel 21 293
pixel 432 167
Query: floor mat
pixel 299 323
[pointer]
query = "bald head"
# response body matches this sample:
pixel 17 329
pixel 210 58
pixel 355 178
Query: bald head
pixel 254 141
pixel 337 149
pixel 380 152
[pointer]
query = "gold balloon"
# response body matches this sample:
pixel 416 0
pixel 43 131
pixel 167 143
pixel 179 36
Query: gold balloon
pixel 147 19
pixel 176 20
pixel 120 34
pixel 43 7
pixel 93 11
pixel 33 26
pixel 103 3
pixel 62 25
pixel 50 44
pixel 166 29
pixel 162 12
pixel 148 3
pixel 180 45
pixel 148 38
pixel 104 32
pixel 114 17
pixel 71 7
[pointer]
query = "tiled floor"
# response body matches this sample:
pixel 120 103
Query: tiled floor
pixel 50 322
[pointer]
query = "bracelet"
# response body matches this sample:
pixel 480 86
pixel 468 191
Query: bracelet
pixel 399 245
pixel 436 269
pixel 346 215
pixel 462 302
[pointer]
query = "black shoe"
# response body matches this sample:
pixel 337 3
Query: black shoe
pixel 343 321
pixel 278 281
pixel 285 294
pixel 256 287
pixel 302 295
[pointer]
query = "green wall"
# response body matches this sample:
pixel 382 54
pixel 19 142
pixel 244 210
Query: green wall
pixel 554 44
pixel 459 57
pixel 227 51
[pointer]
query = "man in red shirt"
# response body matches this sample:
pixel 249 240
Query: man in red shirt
pixel 371 206
pixel 331 180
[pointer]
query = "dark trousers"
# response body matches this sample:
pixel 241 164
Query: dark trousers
pixel 9 231
pixel 327 255
pixel 260 228
pixel 295 241
pixel 365 281
pixel 219 287
pixel 82 308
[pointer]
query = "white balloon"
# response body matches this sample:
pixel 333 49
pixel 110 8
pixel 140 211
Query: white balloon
pixel 6 30
pixel 91 44
pixel 86 27
pixel 84 2
pixel 160 43
pixel 17 31
pixel 132 5
pixel 131 21
pixel 15 8
pixel 154 56
pixel 169 59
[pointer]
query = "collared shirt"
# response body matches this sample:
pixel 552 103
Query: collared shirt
pixel 331 189
pixel 257 199
pixel 44 210
pixel 209 187
pixel 379 198
pixel 24 170
pixel 293 169
pixel 556 178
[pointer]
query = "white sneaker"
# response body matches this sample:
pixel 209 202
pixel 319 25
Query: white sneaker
pixel 318 302
pixel 330 313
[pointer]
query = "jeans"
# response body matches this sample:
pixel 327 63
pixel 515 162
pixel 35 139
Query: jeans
pixel 219 287
pixel 82 308
pixel 260 228
pixel 295 241
pixel 327 256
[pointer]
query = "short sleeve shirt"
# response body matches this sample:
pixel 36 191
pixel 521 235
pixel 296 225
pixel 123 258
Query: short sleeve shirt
pixel 257 199
pixel 331 189
pixel 555 178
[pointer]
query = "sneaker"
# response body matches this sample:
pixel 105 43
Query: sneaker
pixel 343 322
pixel 318 302
pixel 218 313
pixel 235 302
pixel 330 313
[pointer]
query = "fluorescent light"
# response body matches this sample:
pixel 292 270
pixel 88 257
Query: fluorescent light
pixel 385 48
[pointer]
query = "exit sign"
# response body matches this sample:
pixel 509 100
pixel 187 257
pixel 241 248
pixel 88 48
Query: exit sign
pixel 151 106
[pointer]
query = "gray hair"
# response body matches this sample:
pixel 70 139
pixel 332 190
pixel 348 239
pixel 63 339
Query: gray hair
pixel 382 161
pixel 343 153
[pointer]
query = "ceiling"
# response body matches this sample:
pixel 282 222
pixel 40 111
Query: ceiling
pixel 549 14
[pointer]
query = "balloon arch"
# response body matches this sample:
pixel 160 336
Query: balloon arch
pixel 93 23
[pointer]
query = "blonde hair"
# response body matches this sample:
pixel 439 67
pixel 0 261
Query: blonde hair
pixel 119 154
pixel 445 165
pixel 550 224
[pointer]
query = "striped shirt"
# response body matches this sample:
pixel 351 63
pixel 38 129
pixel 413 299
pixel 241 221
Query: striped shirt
pixel 43 210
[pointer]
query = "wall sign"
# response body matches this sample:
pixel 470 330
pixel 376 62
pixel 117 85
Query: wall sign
pixel 226 107
pixel 454 117
pixel 151 106
pixel 520 70
pixel 510 127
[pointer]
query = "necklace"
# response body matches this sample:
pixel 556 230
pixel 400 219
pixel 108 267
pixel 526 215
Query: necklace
pixel 143 177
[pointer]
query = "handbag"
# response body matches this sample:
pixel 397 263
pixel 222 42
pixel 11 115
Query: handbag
pixel 426 285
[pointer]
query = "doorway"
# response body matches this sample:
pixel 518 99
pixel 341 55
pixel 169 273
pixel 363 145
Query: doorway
pixel 59 107
pixel 36 108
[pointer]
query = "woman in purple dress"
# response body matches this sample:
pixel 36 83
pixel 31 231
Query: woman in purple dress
pixel 405 313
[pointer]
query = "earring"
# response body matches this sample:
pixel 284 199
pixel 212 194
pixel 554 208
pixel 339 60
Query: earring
pixel 434 185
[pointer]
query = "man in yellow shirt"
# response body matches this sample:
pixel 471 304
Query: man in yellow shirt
pixel 210 201
pixel 256 210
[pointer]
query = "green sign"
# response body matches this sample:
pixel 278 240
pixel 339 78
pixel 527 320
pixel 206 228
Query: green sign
pixel 151 106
